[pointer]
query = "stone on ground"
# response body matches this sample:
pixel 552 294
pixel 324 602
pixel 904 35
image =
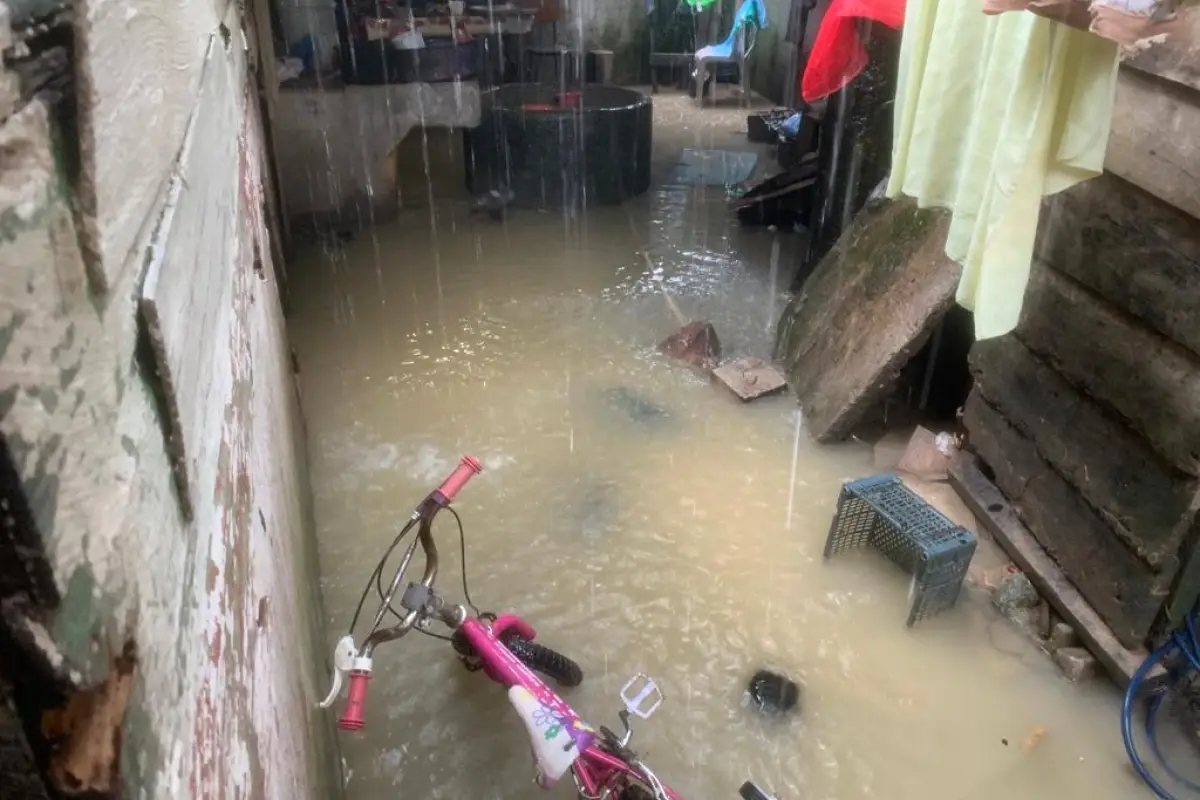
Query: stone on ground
pixel 1015 591
pixel 1076 663
pixel 695 344
pixel 1061 635
pixel 926 456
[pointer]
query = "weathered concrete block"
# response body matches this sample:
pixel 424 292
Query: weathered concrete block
pixel 1149 504
pixel 1134 250
pixel 1061 635
pixel 1122 589
pixel 870 305
pixel 1076 663
pixel 1150 381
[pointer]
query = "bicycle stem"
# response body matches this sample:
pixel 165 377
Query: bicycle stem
pixel 426 512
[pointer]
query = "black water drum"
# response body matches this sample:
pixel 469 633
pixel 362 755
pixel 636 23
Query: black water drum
pixel 556 148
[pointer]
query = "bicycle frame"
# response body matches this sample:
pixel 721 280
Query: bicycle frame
pixel 548 720
pixel 596 769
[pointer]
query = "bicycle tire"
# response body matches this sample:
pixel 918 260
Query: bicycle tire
pixel 635 791
pixel 541 659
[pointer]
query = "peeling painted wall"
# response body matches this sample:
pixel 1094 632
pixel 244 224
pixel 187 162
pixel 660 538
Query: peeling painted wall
pixel 218 605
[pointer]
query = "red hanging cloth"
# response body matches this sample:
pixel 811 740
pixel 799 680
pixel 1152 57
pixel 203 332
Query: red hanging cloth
pixel 838 54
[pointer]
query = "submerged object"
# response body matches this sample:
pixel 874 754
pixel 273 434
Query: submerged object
pixel 493 203
pixel 772 693
pixel 635 405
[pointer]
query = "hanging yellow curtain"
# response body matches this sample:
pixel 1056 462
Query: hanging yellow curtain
pixel 993 113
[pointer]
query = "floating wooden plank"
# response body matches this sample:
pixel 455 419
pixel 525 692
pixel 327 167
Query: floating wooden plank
pixel 869 306
pixel 1126 593
pixel 137 88
pixel 1148 503
pixel 750 378
pixel 1137 252
pixel 1150 381
pixel 995 513
pixel 1152 142
pixel 187 295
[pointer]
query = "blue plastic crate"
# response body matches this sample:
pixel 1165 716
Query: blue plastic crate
pixel 883 513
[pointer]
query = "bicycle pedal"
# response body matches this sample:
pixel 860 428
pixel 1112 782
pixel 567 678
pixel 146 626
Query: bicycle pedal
pixel 642 696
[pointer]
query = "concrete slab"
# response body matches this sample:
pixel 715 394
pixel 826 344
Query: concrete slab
pixel 870 305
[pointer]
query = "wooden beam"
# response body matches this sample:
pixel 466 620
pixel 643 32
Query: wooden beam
pixel 1178 57
pixel 1134 250
pixel 1148 504
pixel 1147 379
pixel 1152 142
pixel 995 513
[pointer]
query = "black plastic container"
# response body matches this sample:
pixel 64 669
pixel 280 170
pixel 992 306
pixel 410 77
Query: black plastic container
pixel 591 147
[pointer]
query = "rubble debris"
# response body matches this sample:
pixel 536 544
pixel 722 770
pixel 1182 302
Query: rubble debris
pixel 1076 663
pixel 1015 591
pixel 1000 520
pixel 1061 635
pixel 1043 619
pixel 772 693
pixel 928 455
pixel 750 378
pixel 695 344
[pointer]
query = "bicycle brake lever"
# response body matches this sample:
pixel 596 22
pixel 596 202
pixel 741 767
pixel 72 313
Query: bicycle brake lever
pixel 344 655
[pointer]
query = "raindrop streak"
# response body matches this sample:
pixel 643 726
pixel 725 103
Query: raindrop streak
pixel 795 459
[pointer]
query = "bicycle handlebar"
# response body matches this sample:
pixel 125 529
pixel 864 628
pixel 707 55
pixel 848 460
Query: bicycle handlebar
pixel 468 468
pixel 352 718
pixel 356 698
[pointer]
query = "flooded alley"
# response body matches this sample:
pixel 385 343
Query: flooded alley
pixel 642 519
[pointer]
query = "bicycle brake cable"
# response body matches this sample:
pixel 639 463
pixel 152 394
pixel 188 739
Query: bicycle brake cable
pixel 375 575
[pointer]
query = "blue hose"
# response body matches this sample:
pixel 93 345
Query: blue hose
pixel 1186 643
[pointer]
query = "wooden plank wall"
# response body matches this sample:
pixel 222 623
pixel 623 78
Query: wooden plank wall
pixel 1089 414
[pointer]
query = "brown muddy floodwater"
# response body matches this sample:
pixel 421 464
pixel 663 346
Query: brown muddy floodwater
pixel 642 519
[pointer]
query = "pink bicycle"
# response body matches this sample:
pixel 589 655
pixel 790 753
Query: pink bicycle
pixel 600 762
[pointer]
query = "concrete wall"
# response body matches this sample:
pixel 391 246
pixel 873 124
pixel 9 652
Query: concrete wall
pixel 160 625
pixel 338 144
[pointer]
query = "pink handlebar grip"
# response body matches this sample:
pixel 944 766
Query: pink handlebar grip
pixel 352 716
pixel 468 468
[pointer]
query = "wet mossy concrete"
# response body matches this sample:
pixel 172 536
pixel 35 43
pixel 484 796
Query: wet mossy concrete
pixel 869 306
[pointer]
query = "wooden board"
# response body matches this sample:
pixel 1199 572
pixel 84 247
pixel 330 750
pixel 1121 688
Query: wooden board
pixel 1152 142
pixel 868 307
pixel 1178 57
pixel 1148 504
pixel 750 378
pixel 191 267
pixel 1126 593
pixel 139 71
pixel 1135 251
pixel 1149 381
pixel 995 513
